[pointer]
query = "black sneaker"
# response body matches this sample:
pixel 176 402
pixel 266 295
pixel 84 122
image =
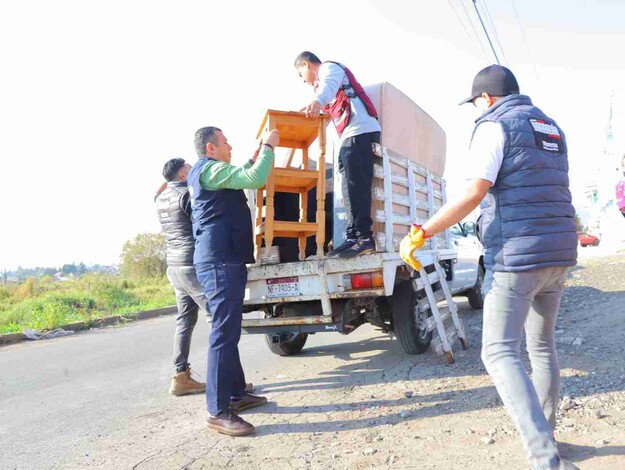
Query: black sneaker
pixel 363 246
pixel 342 247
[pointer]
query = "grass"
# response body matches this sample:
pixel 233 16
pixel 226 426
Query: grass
pixel 46 304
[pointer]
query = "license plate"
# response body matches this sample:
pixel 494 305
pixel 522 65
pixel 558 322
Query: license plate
pixel 283 287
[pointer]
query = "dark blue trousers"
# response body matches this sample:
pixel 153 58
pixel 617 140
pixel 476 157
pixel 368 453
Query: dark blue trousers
pixel 224 287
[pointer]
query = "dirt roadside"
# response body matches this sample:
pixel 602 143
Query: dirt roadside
pixel 363 404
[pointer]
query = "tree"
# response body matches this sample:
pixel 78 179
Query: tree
pixel 144 256
pixel 81 268
pixel 68 269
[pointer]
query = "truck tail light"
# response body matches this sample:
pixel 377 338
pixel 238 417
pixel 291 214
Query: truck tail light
pixel 363 280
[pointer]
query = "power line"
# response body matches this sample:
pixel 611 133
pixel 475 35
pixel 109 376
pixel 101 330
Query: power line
pixel 492 25
pixel 466 12
pixel 486 32
pixel 466 30
pixel 529 52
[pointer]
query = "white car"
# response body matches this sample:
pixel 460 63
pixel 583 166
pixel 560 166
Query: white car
pixel 469 267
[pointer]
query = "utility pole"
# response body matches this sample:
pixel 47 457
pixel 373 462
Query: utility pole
pixel 486 32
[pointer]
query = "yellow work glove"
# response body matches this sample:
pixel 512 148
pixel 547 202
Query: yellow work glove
pixel 411 242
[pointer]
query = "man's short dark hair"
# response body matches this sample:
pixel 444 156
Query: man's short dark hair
pixel 172 168
pixel 306 56
pixel 204 136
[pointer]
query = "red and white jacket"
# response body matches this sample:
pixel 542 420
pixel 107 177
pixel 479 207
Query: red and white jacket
pixel 344 99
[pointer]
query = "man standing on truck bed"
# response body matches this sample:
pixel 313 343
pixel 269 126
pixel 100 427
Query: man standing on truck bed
pixel 519 162
pixel 339 94
pixel 174 213
pixel 222 226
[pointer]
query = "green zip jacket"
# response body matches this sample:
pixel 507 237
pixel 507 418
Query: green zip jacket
pixel 221 175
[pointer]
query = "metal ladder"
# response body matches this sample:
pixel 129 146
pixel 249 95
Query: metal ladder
pixel 442 345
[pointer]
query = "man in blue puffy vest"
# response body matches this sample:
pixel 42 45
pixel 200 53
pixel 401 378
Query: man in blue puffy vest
pixel 519 172
pixel 222 227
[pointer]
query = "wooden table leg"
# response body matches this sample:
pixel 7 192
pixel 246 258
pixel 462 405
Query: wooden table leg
pixel 321 191
pixel 269 212
pixel 303 217
pixel 259 221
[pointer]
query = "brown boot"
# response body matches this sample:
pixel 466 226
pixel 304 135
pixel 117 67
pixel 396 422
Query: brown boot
pixel 249 387
pixel 248 401
pixel 230 423
pixel 183 384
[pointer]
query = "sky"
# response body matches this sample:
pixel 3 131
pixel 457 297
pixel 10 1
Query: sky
pixel 96 96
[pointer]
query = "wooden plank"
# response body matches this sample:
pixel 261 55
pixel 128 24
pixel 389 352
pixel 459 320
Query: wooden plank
pixel 438 345
pixel 287 189
pixel 378 172
pixel 420 188
pixel 292 227
pixel 447 232
pixel 431 323
pixel 294 176
pixel 400 200
pixel 411 195
pixel 290 158
pixel 400 209
pixel 291 144
pixel 431 203
pixel 305 158
pixel 380 216
pixel 424 304
pixel 378 194
pixel 402 162
pixel 295 226
pixel 269 199
pixel 450 301
pixel 418 169
pixel 417 284
pixel 388 205
pixel 258 239
pixel 406 163
pixel 440 328
pixel 378 228
pixel 320 214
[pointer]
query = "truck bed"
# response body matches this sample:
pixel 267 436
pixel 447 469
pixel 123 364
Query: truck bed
pixel 323 279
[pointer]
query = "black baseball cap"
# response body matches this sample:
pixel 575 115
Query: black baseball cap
pixel 495 80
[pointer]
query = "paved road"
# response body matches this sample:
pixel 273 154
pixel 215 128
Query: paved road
pixel 99 400
pixel 58 396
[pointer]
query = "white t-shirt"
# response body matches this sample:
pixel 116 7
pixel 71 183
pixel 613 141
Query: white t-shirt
pixel 331 78
pixel 486 152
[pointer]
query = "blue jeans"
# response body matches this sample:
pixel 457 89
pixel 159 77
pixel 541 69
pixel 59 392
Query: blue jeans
pixel 525 300
pixel 224 287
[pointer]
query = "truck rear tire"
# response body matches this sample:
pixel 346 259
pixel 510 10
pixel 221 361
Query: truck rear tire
pixel 414 338
pixel 476 299
pixel 291 347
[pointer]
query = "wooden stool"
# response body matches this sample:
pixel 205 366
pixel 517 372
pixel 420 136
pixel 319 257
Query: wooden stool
pixel 296 132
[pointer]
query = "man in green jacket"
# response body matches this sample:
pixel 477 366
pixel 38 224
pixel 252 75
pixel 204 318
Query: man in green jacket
pixel 222 227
